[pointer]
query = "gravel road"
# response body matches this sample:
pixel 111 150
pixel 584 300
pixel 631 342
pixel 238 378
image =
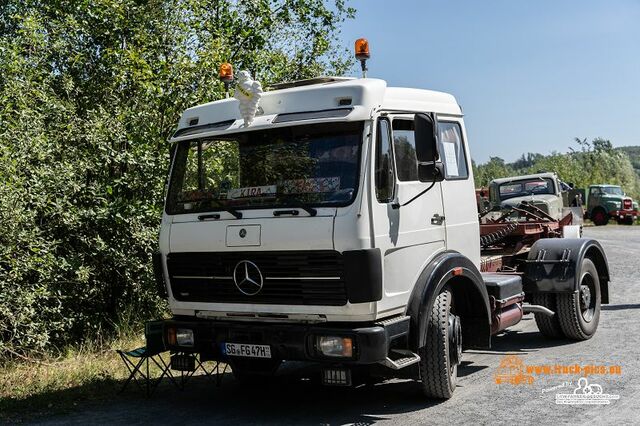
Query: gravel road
pixel 477 400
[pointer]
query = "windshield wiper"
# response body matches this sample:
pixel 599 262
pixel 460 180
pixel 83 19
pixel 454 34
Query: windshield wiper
pixel 234 212
pixel 294 202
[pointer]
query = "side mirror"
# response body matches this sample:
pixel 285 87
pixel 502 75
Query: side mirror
pixel 426 137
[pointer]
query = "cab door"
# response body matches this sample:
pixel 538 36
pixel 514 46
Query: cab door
pixel 460 208
pixel 406 236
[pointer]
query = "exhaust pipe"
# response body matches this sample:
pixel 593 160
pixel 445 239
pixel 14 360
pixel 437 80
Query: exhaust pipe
pixel 538 309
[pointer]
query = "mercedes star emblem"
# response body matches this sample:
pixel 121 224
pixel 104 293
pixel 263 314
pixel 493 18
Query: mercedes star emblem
pixel 247 277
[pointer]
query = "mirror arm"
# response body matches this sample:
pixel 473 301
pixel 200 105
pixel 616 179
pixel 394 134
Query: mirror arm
pixel 436 172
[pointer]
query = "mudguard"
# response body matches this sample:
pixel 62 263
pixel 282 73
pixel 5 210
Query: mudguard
pixel 470 296
pixel 553 265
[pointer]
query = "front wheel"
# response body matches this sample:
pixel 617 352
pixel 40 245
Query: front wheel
pixel 579 313
pixel 440 357
pixel 599 217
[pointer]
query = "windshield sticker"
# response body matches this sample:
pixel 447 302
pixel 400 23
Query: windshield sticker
pixel 252 191
pixel 195 195
pixel 311 185
pixel 450 158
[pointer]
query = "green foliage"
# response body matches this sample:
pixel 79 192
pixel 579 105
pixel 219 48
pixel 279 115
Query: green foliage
pixel 90 90
pixel 495 168
pixel 634 155
pixel 595 162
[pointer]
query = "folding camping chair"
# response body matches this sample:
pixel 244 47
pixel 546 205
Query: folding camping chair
pixel 137 362
pixel 190 364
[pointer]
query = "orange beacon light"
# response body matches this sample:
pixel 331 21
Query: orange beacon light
pixel 226 72
pixel 226 75
pixel 362 54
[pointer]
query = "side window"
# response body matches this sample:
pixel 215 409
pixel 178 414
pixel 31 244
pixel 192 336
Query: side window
pixel 404 146
pixel 384 175
pixel 452 151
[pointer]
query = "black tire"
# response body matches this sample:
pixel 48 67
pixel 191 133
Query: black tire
pixel 579 313
pixel 599 216
pixel 440 357
pixel 628 221
pixel 548 326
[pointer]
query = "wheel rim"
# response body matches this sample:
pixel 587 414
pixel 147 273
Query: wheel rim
pixel 599 218
pixel 587 297
pixel 455 341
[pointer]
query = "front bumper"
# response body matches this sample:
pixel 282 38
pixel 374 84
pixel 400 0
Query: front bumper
pixel 624 214
pixel 293 342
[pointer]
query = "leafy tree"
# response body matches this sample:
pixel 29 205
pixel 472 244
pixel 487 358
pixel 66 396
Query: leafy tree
pixel 495 168
pixel 527 161
pixel 90 90
pixel 593 162
pixel 634 155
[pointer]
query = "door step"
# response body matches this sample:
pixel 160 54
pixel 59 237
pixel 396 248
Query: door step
pixel 408 358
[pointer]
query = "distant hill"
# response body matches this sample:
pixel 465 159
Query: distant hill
pixel 634 155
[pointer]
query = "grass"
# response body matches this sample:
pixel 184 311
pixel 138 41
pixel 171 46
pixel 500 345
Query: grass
pixel 51 385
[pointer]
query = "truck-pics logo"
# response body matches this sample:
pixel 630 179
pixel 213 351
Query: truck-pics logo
pixel 247 277
pixel 512 370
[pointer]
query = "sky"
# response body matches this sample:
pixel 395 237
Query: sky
pixel 530 75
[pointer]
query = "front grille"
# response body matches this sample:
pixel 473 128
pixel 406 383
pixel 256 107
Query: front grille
pixel 289 277
pixel 627 204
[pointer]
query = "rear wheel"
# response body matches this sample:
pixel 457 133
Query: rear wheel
pixel 548 326
pixel 599 216
pixel 440 357
pixel 579 313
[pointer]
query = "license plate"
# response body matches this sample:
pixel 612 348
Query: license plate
pixel 247 350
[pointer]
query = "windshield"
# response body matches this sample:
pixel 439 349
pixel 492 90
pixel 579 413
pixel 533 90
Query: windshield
pixel 316 165
pixel 526 187
pixel 613 190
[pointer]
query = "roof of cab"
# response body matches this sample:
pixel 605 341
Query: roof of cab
pixel 546 175
pixel 362 94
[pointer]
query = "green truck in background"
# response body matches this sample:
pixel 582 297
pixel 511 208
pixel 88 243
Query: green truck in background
pixel 605 202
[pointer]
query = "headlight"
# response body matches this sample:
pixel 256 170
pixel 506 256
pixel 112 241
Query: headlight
pixel 184 337
pixel 617 204
pixel 335 346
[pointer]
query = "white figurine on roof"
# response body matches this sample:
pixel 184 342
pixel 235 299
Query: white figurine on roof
pixel 248 92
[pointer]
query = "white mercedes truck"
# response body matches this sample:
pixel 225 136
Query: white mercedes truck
pixel 338 225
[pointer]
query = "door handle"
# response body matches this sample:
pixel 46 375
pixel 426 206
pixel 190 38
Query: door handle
pixel 437 219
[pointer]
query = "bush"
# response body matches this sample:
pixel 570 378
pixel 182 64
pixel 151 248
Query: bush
pixel 90 91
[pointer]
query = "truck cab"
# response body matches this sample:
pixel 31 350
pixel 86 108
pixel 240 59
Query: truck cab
pixel 606 202
pixel 337 226
pixel 543 190
pixel 318 173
